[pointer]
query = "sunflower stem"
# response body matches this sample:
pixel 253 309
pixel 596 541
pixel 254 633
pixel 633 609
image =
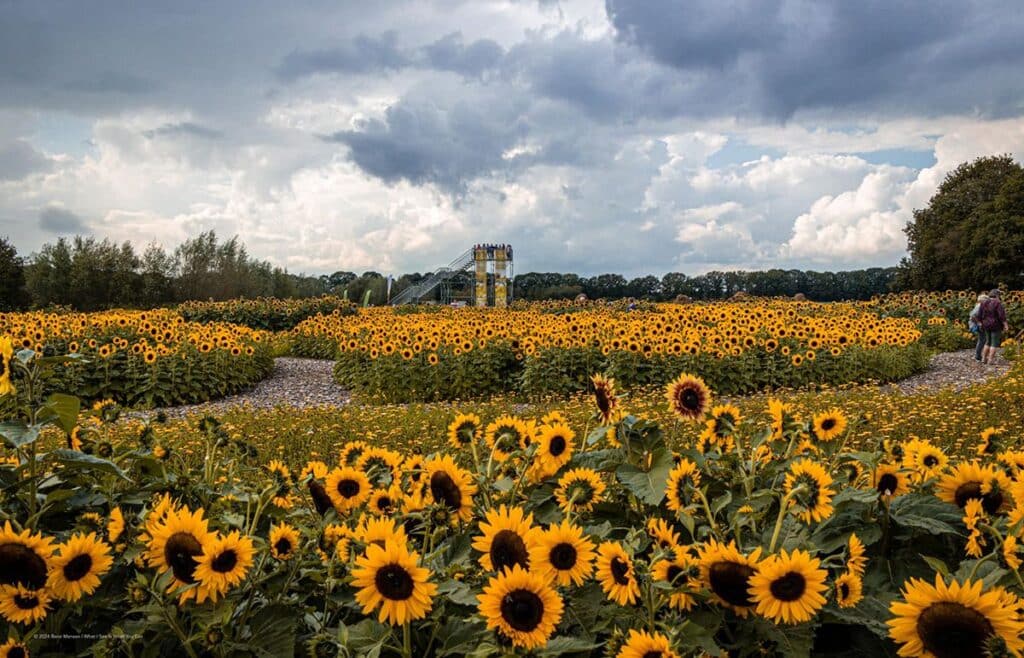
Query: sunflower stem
pixel 707 509
pixel 783 509
pixel 406 641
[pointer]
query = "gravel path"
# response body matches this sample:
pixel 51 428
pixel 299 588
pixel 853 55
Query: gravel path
pixel 298 383
pixel 951 369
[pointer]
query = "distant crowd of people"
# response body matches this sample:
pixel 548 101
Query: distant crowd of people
pixel 988 321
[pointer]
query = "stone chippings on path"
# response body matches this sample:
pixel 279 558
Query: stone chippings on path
pixel 957 370
pixel 299 383
pixel 304 383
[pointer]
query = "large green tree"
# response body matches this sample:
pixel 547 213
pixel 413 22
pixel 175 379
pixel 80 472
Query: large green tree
pixel 13 295
pixel 970 234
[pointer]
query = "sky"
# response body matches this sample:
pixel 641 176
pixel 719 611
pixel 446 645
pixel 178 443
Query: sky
pixel 629 136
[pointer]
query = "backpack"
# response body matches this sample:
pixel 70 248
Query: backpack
pixel 987 316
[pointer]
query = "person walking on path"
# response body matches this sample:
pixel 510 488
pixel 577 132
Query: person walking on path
pixel 975 327
pixel 992 318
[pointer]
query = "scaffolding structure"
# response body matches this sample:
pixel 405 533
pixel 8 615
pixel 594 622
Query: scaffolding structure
pixel 493 268
pixel 480 276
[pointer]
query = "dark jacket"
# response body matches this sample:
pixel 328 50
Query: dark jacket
pixel 992 315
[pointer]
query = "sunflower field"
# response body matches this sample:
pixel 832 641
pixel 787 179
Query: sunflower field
pixel 659 524
pixel 267 313
pixel 142 358
pixel 541 349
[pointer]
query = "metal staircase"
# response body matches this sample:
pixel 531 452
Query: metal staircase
pixel 414 293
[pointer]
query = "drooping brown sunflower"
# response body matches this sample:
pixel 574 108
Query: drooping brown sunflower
pixel 507 536
pixel 564 553
pixel 789 587
pixel 688 397
pixel 77 569
pixel 615 573
pixel 641 644
pixel 954 620
pixel 726 573
pixel 451 486
pixel 24 557
pixel 604 398
pixel 522 606
pixel 390 577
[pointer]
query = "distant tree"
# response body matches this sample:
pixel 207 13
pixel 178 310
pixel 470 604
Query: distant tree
pixel 13 294
pixel 964 238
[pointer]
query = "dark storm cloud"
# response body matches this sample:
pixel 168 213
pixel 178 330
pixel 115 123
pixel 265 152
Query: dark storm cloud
pixel 451 54
pixel 422 142
pixel 56 219
pixel 18 159
pixel 928 57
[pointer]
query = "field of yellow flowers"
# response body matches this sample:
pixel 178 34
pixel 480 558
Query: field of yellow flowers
pixel 665 522
pixel 150 358
pixel 542 349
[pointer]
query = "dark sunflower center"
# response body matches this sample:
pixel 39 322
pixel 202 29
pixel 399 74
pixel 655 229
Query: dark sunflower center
pixel 16 652
pixel 348 488
pixel 887 483
pixel 383 503
pixel 992 501
pixel 674 571
pixel 179 552
pixel 620 570
pixel 508 549
pixel 729 581
pixel 522 609
pixel 844 591
pixel 20 565
pixel 225 562
pixel 443 488
pixel 563 556
pixel 828 424
pixel 967 491
pixel 283 546
pixel 394 582
pixel 652 654
pixel 951 630
pixel 690 399
pixel 77 567
pixel 26 601
pixel 790 587
pixel 930 461
pixel 603 402
pixel 557 446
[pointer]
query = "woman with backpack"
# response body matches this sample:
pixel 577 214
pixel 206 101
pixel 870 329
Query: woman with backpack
pixel 975 327
pixel 992 318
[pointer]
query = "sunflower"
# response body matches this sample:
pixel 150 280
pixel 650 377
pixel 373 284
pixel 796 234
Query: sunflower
pixel 970 480
pixel 604 398
pixel 677 572
pixel 380 464
pixel 177 542
pixel 384 502
pixel 855 559
pixel 347 488
pixel 726 418
pixel 389 577
pixel 6 352
pixel 812 501
pixel 379 531
pixel 522 606
pixel 788 587
pixel 662 533
pixel 77 570
pixel 1012 552
pixel 351 451
pixel 928 460
pixel 727 573
pixel 506 435
pixel 464 430
pixel 115 525
pixel 641 644
pixel 224 563
pixel 284 541
pixel 688 397
pixel 579 490
pixel 889 480
pixel 23 605
pixel 451 486
pixel 13 649
pixel 954 620
pixel 564 553
pixel 24 557
pixel 682 479
pixel 828 425
pixel 615 573
pixel 991 440
pixel 508 535
pixel 556 446
pixel 783 418
pixel 849 590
